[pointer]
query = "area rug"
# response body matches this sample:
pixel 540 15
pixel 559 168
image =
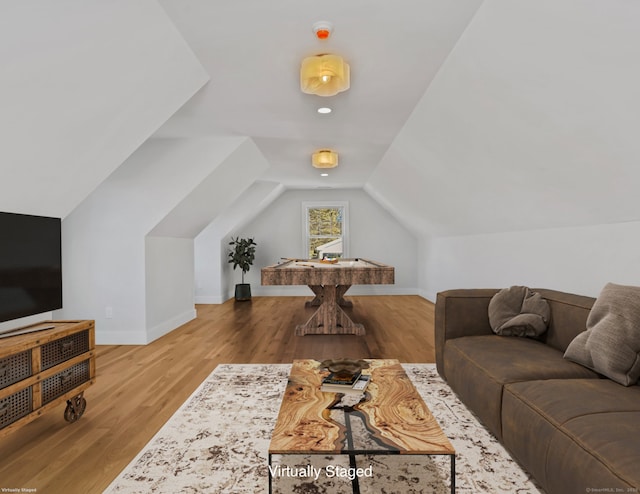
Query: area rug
pixel 217 442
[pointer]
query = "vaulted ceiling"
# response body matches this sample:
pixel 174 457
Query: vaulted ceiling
pixel 394 50
pixel 462 117
pixel 83 85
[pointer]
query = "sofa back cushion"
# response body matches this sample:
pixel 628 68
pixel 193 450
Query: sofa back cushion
pixel 568 318
pixel 611 344
pixel 518 311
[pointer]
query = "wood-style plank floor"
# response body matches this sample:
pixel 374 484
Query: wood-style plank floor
pixel 139 387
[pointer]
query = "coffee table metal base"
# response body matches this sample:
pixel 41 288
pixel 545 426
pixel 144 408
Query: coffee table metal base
pixel 355 483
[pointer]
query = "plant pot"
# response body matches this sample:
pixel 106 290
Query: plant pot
pixel 243 291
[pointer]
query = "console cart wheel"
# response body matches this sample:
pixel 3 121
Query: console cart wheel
pixel 75 408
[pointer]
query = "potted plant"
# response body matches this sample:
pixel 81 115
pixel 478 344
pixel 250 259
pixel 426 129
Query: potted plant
pixel 241 256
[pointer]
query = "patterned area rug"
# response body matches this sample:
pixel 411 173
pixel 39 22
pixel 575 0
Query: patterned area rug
pixel 217 442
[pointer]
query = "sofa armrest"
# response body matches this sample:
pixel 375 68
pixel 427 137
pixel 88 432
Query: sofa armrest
pixel 461 313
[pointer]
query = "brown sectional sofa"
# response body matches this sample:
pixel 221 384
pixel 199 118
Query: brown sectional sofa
pixel 572 429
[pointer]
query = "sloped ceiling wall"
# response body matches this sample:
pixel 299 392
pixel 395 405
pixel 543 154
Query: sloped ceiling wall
pixel 210 246
pixel 532 122
pixel 210 197
pixel 104 266
pixel 81 88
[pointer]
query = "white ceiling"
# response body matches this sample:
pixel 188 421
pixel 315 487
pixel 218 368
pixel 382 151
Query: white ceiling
pixel 82 85
pixel 531 123
pixel 252 50
pixel 464 116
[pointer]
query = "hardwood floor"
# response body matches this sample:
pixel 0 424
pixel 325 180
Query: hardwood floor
pixel 139 387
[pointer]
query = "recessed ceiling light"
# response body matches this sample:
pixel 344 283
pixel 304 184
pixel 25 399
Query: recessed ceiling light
pixel 324 174
pixel 324 110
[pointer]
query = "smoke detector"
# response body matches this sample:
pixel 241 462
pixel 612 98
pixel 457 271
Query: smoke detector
pixel 322 29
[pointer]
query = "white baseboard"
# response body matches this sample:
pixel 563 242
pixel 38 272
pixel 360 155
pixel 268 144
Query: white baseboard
pixel 169 325
pixel 209 299
pixel 140 337
pixel 120 337
pixel 430 296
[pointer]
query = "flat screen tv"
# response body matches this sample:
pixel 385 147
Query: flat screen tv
pixel 30 265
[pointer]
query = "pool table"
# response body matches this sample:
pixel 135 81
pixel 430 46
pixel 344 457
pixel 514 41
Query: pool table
pixel 329 281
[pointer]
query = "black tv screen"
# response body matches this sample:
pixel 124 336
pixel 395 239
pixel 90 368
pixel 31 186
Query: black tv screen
pixel 30 265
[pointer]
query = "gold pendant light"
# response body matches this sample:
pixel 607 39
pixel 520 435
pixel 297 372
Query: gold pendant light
pixel 324 75
pixel 324 158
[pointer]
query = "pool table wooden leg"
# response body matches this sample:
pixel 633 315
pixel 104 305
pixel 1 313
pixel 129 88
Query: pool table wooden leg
pixel 330 318
pixel 318 291
pixel 340 291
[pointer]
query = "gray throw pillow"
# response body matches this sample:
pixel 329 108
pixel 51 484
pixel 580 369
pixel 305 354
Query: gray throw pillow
pixel 518 311
pixel 611 343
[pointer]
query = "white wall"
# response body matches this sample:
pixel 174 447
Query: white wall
pixel 530 123
pixel 577 260
pixel 169 284
pixel 103 239
pixel 374 234
pixel 77 100
pixel 103 275
pixel 526 135
pixel 211 244
pixel 83 85
pixel 209 257
pixel 224 185
pixel 25 321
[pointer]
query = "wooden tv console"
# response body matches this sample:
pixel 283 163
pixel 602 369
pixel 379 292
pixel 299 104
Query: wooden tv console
pixel 42 366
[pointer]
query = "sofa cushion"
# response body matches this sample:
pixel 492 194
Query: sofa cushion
pixel 611 344
pixel 561 400
pixel 595 453
pixel 518 311
pixel 477 367
pixel 539 418
pixel 569 314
